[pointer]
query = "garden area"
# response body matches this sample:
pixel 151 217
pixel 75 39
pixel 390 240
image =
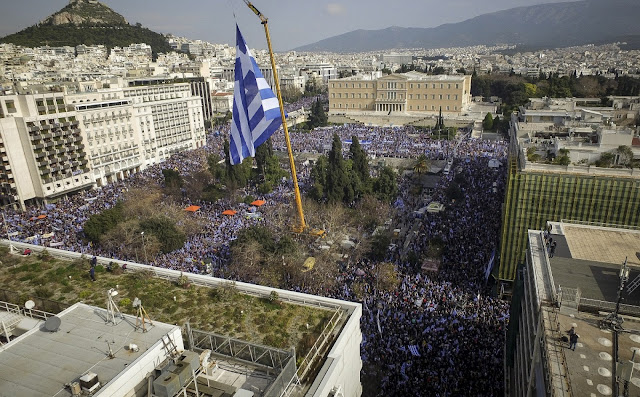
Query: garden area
pixel 223 310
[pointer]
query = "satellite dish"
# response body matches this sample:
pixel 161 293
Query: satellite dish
pixel 113 292
pixel 136 302
pixel 29 304
pixel 52 324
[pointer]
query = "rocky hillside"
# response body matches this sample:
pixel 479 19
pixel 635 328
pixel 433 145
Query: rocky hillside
pixel 79 12
pixel 87 22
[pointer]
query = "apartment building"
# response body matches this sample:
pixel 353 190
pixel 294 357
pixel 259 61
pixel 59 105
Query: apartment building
pixel 402 92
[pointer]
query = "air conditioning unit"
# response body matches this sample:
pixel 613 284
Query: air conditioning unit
pixel 166 385
pixel 89 382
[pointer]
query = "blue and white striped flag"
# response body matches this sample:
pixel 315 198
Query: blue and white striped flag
pixel 256 111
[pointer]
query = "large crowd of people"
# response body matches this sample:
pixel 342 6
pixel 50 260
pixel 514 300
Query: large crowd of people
pixel 438 333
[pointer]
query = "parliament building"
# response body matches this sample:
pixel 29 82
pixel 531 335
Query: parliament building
pixel 411 92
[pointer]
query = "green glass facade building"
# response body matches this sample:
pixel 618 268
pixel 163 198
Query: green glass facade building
pixel 537 193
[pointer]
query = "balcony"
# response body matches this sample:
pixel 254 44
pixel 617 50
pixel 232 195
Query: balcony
pixel 34 128
pixel 36 137
pixel 40 155
pixel 43 163
pixel 40 146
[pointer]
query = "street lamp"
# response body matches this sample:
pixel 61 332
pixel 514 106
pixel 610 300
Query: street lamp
pixel 144 248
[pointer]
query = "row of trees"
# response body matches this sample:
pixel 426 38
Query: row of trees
pixel 338 180
pixel 515 90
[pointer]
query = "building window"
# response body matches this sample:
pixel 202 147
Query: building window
pixel 455 97
pixel 448 96
pixel 418 85
pixel 410 107
pixel 433 96
pixel 433 86
pixel 440 96
pixel 447 107
pixel 457 86
pixel 333 95
pixel 411 85
pixel 333 85
pixel 433 107
pixel 359 85
pixel 410 96
pixel 449 86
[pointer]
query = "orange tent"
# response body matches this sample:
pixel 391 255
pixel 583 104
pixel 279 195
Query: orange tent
pixel 229 212
pixel 192 208
pixel 42 216
pixel 258 203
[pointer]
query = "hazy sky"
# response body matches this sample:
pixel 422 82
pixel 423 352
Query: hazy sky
pixel 292 23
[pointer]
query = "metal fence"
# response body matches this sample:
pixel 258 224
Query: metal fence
pixel 279 363
pixel 43 305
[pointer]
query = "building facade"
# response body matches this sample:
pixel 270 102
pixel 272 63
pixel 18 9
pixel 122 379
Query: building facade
pixel 403 92
pixel 56 143
pixel 539 191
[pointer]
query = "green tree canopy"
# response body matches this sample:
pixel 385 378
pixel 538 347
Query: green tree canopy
pixel 360 163
pixel 487 123
pixel 385 185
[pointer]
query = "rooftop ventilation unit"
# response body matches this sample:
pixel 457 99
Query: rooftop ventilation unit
pixel 89 382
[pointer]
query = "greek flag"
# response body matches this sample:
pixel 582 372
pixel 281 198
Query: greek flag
pixel 256 111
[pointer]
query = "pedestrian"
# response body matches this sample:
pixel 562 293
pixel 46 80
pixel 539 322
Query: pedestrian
pixel 573 339
pixel 92 273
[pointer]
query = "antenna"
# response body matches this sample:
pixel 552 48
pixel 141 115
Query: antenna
pixel 112 308
pixel 29 304
pixel 141 316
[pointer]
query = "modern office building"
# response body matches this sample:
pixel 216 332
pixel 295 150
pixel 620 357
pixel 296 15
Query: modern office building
pixel 553 176
pixel 574 286
pixel 409 93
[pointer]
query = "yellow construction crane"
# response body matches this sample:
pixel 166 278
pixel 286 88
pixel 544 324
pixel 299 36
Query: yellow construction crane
pixel 301 227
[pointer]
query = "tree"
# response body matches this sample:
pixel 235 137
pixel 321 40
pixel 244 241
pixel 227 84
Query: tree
pixel 360 164
pixel 625 155
pixel 318 117
pixel 215 167
pixel 319 177
pixel 337 178
pixel 100 224
pixel 563 157
pixel 422 165
pixel 165 230
pixel 385 185
pixel 487 123
pixel 172 179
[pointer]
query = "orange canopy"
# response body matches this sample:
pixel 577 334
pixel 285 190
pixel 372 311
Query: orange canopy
pixel 42 216
pixel 192 208
pixel 229 212
pixel 258 203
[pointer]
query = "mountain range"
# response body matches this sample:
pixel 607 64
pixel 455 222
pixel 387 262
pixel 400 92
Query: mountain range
pixel 87 22
pixel 545 26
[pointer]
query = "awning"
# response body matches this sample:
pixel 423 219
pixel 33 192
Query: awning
pixel 258 203
pixel 229 212
pixel 192 208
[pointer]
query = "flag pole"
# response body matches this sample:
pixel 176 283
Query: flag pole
pixel 302 225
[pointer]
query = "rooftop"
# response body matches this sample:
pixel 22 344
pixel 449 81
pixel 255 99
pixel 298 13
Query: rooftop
pixel 42 362
pixel 588 258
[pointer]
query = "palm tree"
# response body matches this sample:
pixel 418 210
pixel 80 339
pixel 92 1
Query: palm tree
pixel 422 165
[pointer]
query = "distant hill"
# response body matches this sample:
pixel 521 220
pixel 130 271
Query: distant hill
pixel 545 25
pixel 87 22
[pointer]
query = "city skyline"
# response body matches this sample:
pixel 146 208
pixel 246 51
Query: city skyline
pixel 288 29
